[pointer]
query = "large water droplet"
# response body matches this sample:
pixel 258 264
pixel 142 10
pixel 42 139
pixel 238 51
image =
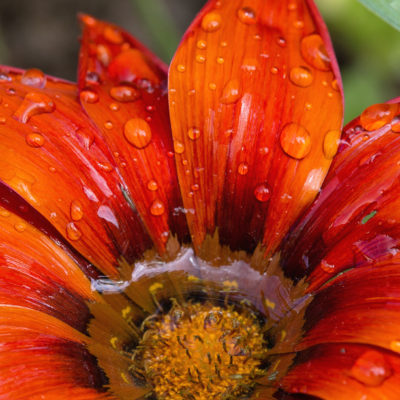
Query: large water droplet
pixel 194 133
pixel 247 15
pixel 76 210
pixel 295 141
pixel 152 185
pixel 89 96
pixel 34 78
pixel 243 168
pixel 124 93
pixel 331 143
pixel 157 208
pixel 262 192
pixel 231 92
pixel 211 22
pixel 314 52
pixel 301 76
pixel 137 132
pixel 34 104
pixel 377 116
pixel 371 369
pixel 34 139
pixel 73 233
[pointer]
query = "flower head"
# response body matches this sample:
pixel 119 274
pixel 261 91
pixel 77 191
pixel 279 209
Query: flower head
pixel 165 235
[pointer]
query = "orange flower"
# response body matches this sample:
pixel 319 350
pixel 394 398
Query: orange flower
pixel 158 238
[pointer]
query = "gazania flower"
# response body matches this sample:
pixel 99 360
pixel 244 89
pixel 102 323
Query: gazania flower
pixel 158 236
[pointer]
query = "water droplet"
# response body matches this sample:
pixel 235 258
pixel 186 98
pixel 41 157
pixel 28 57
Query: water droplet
pixel 34 139
pixel 34 78
pixel 326 267
pixel 200 58
pixel 92 78
pixel 3 120
pixel 396 124
pixel 298 24
pixel 243 168
pixel 395 346
pixel 108 125
pixel 181 68
pixel 89 96
pixel 4 213
pixel 124 93
pixel 281 41
pixel 157 208
pixel 201 44
pixel 34 104
pixel 292 6
pixel 250 64
pixel 195 187
pixel 88 20
pixel 194 133
pixel 211 22
pixel 301 76
pixel 231 92
pixel 295 141
pixel 5 77
pixel 274 70
pixel 247 15
pixel 331 143
pixel 223 43
pixel 114 107
pixel 76 210
pixel 73 233
pixel 152 185
pixel 314 52
pixel 103 54
pixel 220 60
pixel 212 86
pixel 105 166
pixel 137 132
pixel 262 192
pixel 377 116
pixel 179 147
pixel 335 85
pixel 113 35
pixel 308 106
pixel 20 226
pixel 371 369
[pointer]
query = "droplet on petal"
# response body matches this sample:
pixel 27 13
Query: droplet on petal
pixel 243 168
pixel 377 116
pixel 73 233
pixel 247 15
pixel 201 44
pixel 157 208
pixel 103 54
pixel 34 78
pixel 89 96
pixel 34 104
pixel 194 133
pixel 137 132
pixel 179 147
pixel 314 52
pixel 262 192
pixel 231 92
pixel 301 76
pixel 34 139
pixel 396 124
pixel 371 369
pixel 76 210
pixel 20 227
pixel 211 22
pixel 113 35
pixel 124 93
pixel 295 141
pixel 326 267
pixel 331 143
pixel 152 185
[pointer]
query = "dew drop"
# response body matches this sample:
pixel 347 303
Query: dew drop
pixel 3 120
pixel 105 166
pixel 113 35
pixel 377 116
pixel 157 208
pixel 20 226
pixel 4 213
pixel 34 78
pixel 201 44
pixel 211 22
pixel 335 85
pixel 250 64
pixel 152 185
pixel 73 233
pixel 124 93
pixel 292 6
pixel 34 104
pixel 371 369
pixel 326 267
pixel 5 77
pixel 34 139
pixel 301 76
pixel 108 125
pixel 231 92
pixel 194 133
pixel 223 43
pixel 103 54
pixel 331 143
pixel 200 58
pixel 262 192
pixel 195 187
pixel 314 52
pixel 274 70
pixel 243 168
pixel 395 346
pixel 114 107
pixel 89 96
pixel 179 147
pixel 212 86
pixel 181 68
pixel 396 124
pixel 220 60
pixel 246 15
pixel 281 41
pixel 76 210
pixel 295 141
pixel 137 132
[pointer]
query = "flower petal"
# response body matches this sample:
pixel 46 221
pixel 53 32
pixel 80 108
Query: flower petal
pixel 341 372
pixel 355 221
pixel 255 110
pixel 123 90
pixel 53 156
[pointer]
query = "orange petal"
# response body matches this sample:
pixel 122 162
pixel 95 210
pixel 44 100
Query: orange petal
pixel 53 156
pixel 355 221
pixel 254 100
pixel 123 90
pixel 342 372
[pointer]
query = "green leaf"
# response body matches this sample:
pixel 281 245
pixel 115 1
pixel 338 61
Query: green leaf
pixel 388 10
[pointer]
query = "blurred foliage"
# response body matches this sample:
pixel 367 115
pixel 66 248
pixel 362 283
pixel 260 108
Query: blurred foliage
pixel 387 10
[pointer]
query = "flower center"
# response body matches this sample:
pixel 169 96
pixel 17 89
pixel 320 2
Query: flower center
pixel 201 351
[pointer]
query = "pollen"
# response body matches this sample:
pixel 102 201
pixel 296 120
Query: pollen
pixel 201 351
